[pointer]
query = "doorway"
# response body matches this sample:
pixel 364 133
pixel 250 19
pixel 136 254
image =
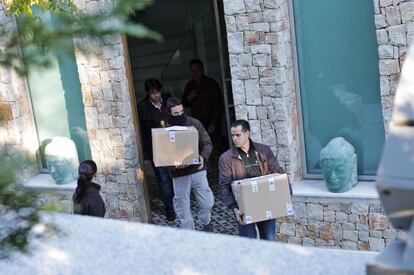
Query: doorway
pixel 190 29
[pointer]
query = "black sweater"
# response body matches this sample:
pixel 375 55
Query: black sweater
pixel 91 203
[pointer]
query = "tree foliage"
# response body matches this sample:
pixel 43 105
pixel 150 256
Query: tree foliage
pixel 25 6
pixel 38 35
pixel 19 213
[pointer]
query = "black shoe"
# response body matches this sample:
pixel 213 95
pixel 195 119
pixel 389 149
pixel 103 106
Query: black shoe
pixel 170 215
pixel 208 227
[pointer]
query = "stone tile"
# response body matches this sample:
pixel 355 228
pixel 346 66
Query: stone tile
pixel 376 244
pixel 378 222
pixel 288 229
pixel 350 235
pixel 407 12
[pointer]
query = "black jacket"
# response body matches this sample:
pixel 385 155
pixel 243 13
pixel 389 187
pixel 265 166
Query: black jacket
pixel 207 106
pixel 151 117
pixel 91 203
pixel 204 148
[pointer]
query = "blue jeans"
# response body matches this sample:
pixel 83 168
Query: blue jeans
pixel 267 230
pixel 165 184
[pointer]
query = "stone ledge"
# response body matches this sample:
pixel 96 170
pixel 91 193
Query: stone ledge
pixel 364 190
pixel 44 182
pixel 148 249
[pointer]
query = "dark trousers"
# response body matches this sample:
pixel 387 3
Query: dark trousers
pixel 165 184
pixel 267 230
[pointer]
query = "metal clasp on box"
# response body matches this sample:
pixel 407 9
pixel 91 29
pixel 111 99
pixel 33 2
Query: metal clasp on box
pixel 255 189
pixel 269 215
pixel 271 183
pixel 172 136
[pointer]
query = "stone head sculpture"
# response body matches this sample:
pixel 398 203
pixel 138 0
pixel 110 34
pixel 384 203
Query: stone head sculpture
pixel 339 165
pixel 62 160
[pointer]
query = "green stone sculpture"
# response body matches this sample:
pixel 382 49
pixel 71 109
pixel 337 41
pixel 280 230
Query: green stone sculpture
pixel 62 160
pixel 339 165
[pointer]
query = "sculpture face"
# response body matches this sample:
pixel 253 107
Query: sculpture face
pixel 62 160
pixel 61 170
pixel 338 174
pixel 339 165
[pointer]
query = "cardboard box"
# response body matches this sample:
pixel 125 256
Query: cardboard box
pixel 263 198
pixel 174 146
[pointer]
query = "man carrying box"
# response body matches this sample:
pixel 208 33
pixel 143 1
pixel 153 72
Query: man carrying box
pixel 246 159
pixel 187 178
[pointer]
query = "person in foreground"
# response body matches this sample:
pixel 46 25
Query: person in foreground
pixel 187 178
pixel 246 159
pixel 86 199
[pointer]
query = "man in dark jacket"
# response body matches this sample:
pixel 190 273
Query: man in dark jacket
pixel 187 178
pixel 202 95
pixel 246 159
pixel 153 113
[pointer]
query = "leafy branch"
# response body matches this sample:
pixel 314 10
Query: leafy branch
pixel 39 34
pixel 20 219
pixel 45 27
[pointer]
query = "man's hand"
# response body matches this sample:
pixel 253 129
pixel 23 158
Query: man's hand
pixel 239 215
pixel 192 94
pixel 201 163
pixel 211 128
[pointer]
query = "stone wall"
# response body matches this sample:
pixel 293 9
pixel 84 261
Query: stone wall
pixel 109 121
pixel 394 20
pixel 262 70
pixel 337 223
pixel 260 48
pixel 17 132
pixel 62 199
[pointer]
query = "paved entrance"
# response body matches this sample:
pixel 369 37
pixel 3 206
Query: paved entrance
pixel 222 217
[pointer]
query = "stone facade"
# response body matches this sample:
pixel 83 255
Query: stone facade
pixel 261 48
pixel 109 120
pixel 264 91
pixel 16 121
pixel 261 61
pixel 394 21
pixel 333 223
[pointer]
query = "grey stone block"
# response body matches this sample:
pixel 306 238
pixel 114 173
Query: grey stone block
pixel 308 242
pixel 389 234
pixel 295 240
pixel 360 208
pixel 329 216
pixel 349 245
pixel 363 235
pixel 341 217
pixel 348 226
pixel 376 244
pixel 234 7
pixel 375 234
pixel 407 12
pixel 288 229
pixel 353 218
pixel 397 35
pixel 314 212
pixel 350 235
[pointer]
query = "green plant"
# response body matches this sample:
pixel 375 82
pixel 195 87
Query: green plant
pixel 19 213
pixel 37 37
